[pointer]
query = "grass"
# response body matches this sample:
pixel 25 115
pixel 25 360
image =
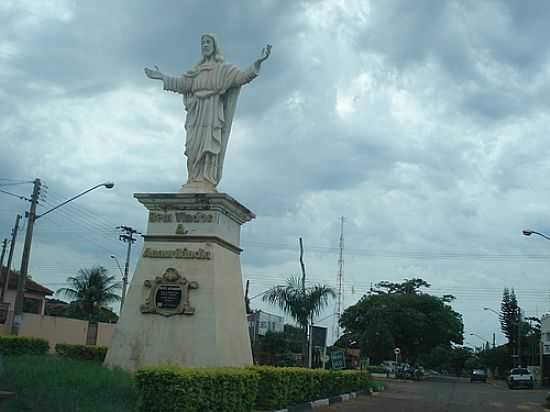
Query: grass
pixel 48 383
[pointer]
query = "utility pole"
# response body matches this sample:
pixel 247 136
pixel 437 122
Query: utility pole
pixel 307 339
pixel 494 340
pixel 127 236
pixel 519 337
pixel 25 259
pixel 4 246
pixel 10 257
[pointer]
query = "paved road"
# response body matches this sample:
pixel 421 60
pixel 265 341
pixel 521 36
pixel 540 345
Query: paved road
pixel 446 395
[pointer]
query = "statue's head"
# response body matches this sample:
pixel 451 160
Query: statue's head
pixel 210 48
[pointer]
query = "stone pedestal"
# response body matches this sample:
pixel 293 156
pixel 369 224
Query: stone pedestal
pixel 185 304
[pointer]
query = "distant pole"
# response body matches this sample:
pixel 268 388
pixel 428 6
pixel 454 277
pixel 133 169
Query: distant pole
pixel 339 281
pixel 307 339
pixel 10 257
pixel 302 265
pixel 31 217
pixel 519 337
pixel 4 246
pixel 494 340
pixel 127 236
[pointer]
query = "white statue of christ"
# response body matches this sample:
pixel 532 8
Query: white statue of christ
pixel 210 91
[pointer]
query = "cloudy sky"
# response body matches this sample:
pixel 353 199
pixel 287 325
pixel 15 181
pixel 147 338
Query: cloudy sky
pixel 423 123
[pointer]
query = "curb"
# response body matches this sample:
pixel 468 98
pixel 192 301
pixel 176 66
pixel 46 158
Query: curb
pixel 308 406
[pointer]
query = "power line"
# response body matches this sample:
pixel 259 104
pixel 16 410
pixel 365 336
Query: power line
pixel 78 214
pixel 15 184
pixel 15 195
pixel 97 218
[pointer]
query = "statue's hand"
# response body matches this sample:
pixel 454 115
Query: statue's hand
pixel 266 51
pixel 154 74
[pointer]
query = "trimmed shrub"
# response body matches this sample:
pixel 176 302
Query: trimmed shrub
pixel 281 387
pixel 81 352
pixel 376 369
pixel 23 345
pixel 172 388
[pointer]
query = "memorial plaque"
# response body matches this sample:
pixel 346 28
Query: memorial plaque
pixel 169 294
pixel 168 297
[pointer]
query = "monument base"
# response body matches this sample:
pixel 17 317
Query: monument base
pixel 185 304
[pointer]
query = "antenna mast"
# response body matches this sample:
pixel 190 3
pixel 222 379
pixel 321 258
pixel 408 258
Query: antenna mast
pixel 339 281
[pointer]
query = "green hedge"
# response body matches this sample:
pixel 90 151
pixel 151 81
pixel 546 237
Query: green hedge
pixel 23 345
pixel 376 369
pixel 280 387
pixel 81 352
pixel 172 388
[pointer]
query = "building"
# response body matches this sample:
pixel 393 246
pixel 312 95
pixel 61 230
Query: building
pixel 545 346
pixel 55 329
pixel 34 300
pixel 259 323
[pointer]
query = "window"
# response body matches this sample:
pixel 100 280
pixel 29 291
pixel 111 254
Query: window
pixel 32 305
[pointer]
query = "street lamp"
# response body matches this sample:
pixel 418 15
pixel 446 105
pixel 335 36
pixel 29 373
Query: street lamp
pixel 117 263
pixel 528 232
pixel 478 336
pixel 25 259
pixel 498 314
pixel 492 310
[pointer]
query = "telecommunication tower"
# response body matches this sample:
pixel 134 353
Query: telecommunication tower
pixel 339 282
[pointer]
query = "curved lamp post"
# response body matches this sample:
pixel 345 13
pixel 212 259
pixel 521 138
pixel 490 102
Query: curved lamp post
pixel 527 232
pixel 492 310
pixel 479 336
pixel 25 259
pixel 117 263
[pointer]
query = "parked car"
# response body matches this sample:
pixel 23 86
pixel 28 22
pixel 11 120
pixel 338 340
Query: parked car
pixel 478 375
pixel 520 377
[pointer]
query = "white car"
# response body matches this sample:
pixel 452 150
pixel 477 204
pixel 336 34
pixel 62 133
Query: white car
pixel 520 377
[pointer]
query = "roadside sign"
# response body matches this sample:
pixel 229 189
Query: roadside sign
pixel 337 360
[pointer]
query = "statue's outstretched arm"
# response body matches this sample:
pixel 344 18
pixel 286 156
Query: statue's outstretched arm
pixel 154 74
pixel 173 84
pixel 266 52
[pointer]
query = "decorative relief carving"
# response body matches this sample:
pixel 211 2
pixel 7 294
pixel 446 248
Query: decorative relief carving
pixel 177 253
pixel 180 229
pixel 183 217
pixel 169 294
pixel 160 217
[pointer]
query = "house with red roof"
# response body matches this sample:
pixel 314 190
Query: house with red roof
pixel 34 298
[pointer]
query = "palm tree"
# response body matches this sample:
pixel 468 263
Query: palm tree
pixel 300 303
pixel 92 289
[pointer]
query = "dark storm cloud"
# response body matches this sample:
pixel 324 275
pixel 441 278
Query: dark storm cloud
pixel 475 43
pixel 106 44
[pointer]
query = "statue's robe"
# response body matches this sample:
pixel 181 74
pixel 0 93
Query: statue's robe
pixel 210 92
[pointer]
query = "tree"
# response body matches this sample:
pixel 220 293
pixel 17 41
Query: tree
pixel 302 304
pixel 509 316
pixel 59 308
pixel 91 290
pixel 400 315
